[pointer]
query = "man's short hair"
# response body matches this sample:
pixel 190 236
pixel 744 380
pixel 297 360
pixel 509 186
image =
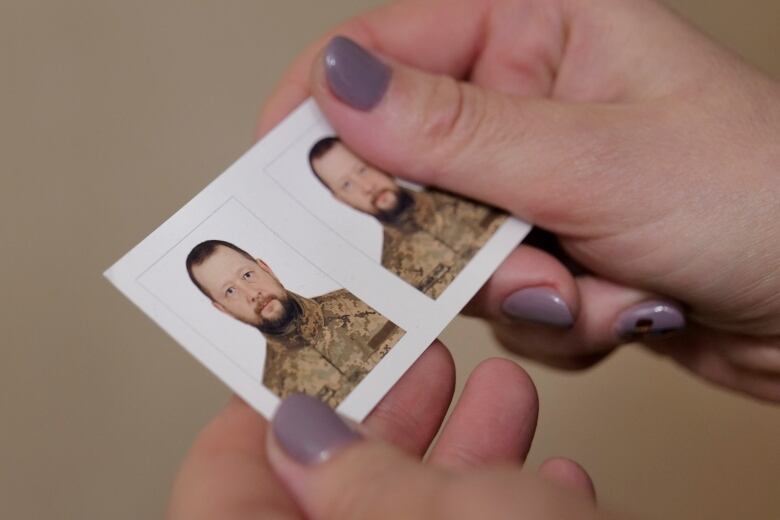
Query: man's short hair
pixel 317 151
pixel 202 252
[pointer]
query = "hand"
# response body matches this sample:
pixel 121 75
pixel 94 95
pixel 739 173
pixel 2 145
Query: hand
pixel 227 473
pixel 335 473
pixel 650 151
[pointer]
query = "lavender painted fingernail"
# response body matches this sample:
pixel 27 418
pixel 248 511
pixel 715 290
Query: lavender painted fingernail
pixel 354 75
pixel 650 319
pixel 540 305
pixel 309 431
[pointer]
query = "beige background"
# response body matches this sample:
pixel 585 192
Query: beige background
pixel 112 115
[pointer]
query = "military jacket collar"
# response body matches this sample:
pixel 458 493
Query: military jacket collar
pixel 305 331
pixel 417 217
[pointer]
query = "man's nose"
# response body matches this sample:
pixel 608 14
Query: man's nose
pixel 252 295
pixel 365 186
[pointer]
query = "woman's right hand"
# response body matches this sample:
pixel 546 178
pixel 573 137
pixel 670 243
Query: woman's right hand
pixel 651 152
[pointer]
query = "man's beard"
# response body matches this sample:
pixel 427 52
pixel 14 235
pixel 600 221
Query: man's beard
pixel 291 309
pixel 404 202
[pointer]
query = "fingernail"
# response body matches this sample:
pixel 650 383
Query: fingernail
pixel 653 318
pixel 354 75
pixel 308 430
pixel 540 305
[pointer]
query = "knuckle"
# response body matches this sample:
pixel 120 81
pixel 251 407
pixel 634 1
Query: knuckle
pixel 465 455
pixel 453 115
pixel 396 418
pixel 400 488
pixel 351 502
pixel 360 494
pixel 443 111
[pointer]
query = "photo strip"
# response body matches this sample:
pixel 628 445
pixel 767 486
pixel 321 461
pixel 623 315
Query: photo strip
pixel 427 236
pixel 308 334
pixel 304 269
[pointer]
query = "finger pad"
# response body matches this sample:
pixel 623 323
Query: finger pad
pixel 494 419
pixel 410 414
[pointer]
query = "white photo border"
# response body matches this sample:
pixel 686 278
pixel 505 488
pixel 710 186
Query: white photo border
pixel 422 318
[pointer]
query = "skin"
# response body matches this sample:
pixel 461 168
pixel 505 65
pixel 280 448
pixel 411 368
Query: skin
pixel 356 183
pixel 615 125
pixel 242 288
pixel 228 473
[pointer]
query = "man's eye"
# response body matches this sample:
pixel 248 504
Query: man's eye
pixel 362 170
pixel 230 291
pixel 248 275
pixel 346 185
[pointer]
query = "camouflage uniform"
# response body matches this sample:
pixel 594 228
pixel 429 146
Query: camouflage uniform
pixel 336 340
pixel 431 243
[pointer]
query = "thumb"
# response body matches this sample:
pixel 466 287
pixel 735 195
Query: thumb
pixel 518 153
pixel 333 472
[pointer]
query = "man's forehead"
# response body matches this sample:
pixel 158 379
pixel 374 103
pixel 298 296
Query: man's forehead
pixel 222 262
pixel 229 255
pixel 337 157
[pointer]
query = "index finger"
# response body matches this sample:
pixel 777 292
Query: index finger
pixel 441 36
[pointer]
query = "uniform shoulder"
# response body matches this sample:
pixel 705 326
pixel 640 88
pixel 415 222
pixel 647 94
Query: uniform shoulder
pixel 337 295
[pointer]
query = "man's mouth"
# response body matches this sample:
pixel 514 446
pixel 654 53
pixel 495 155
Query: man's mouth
pixel 262 304
pixel 377 199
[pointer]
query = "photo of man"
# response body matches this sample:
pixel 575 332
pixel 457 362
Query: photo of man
pixel 322 346
pixel 428 236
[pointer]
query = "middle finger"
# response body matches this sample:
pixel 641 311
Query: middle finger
pixel 494 420
pixel 412 411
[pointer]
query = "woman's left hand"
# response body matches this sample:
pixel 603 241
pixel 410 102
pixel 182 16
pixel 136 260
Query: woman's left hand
pixel 227 473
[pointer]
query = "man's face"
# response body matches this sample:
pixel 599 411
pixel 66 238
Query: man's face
pixel 243 288
pixel 356 183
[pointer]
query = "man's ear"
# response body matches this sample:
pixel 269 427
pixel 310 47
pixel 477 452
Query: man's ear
pixel 219 307
pixel 265 267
